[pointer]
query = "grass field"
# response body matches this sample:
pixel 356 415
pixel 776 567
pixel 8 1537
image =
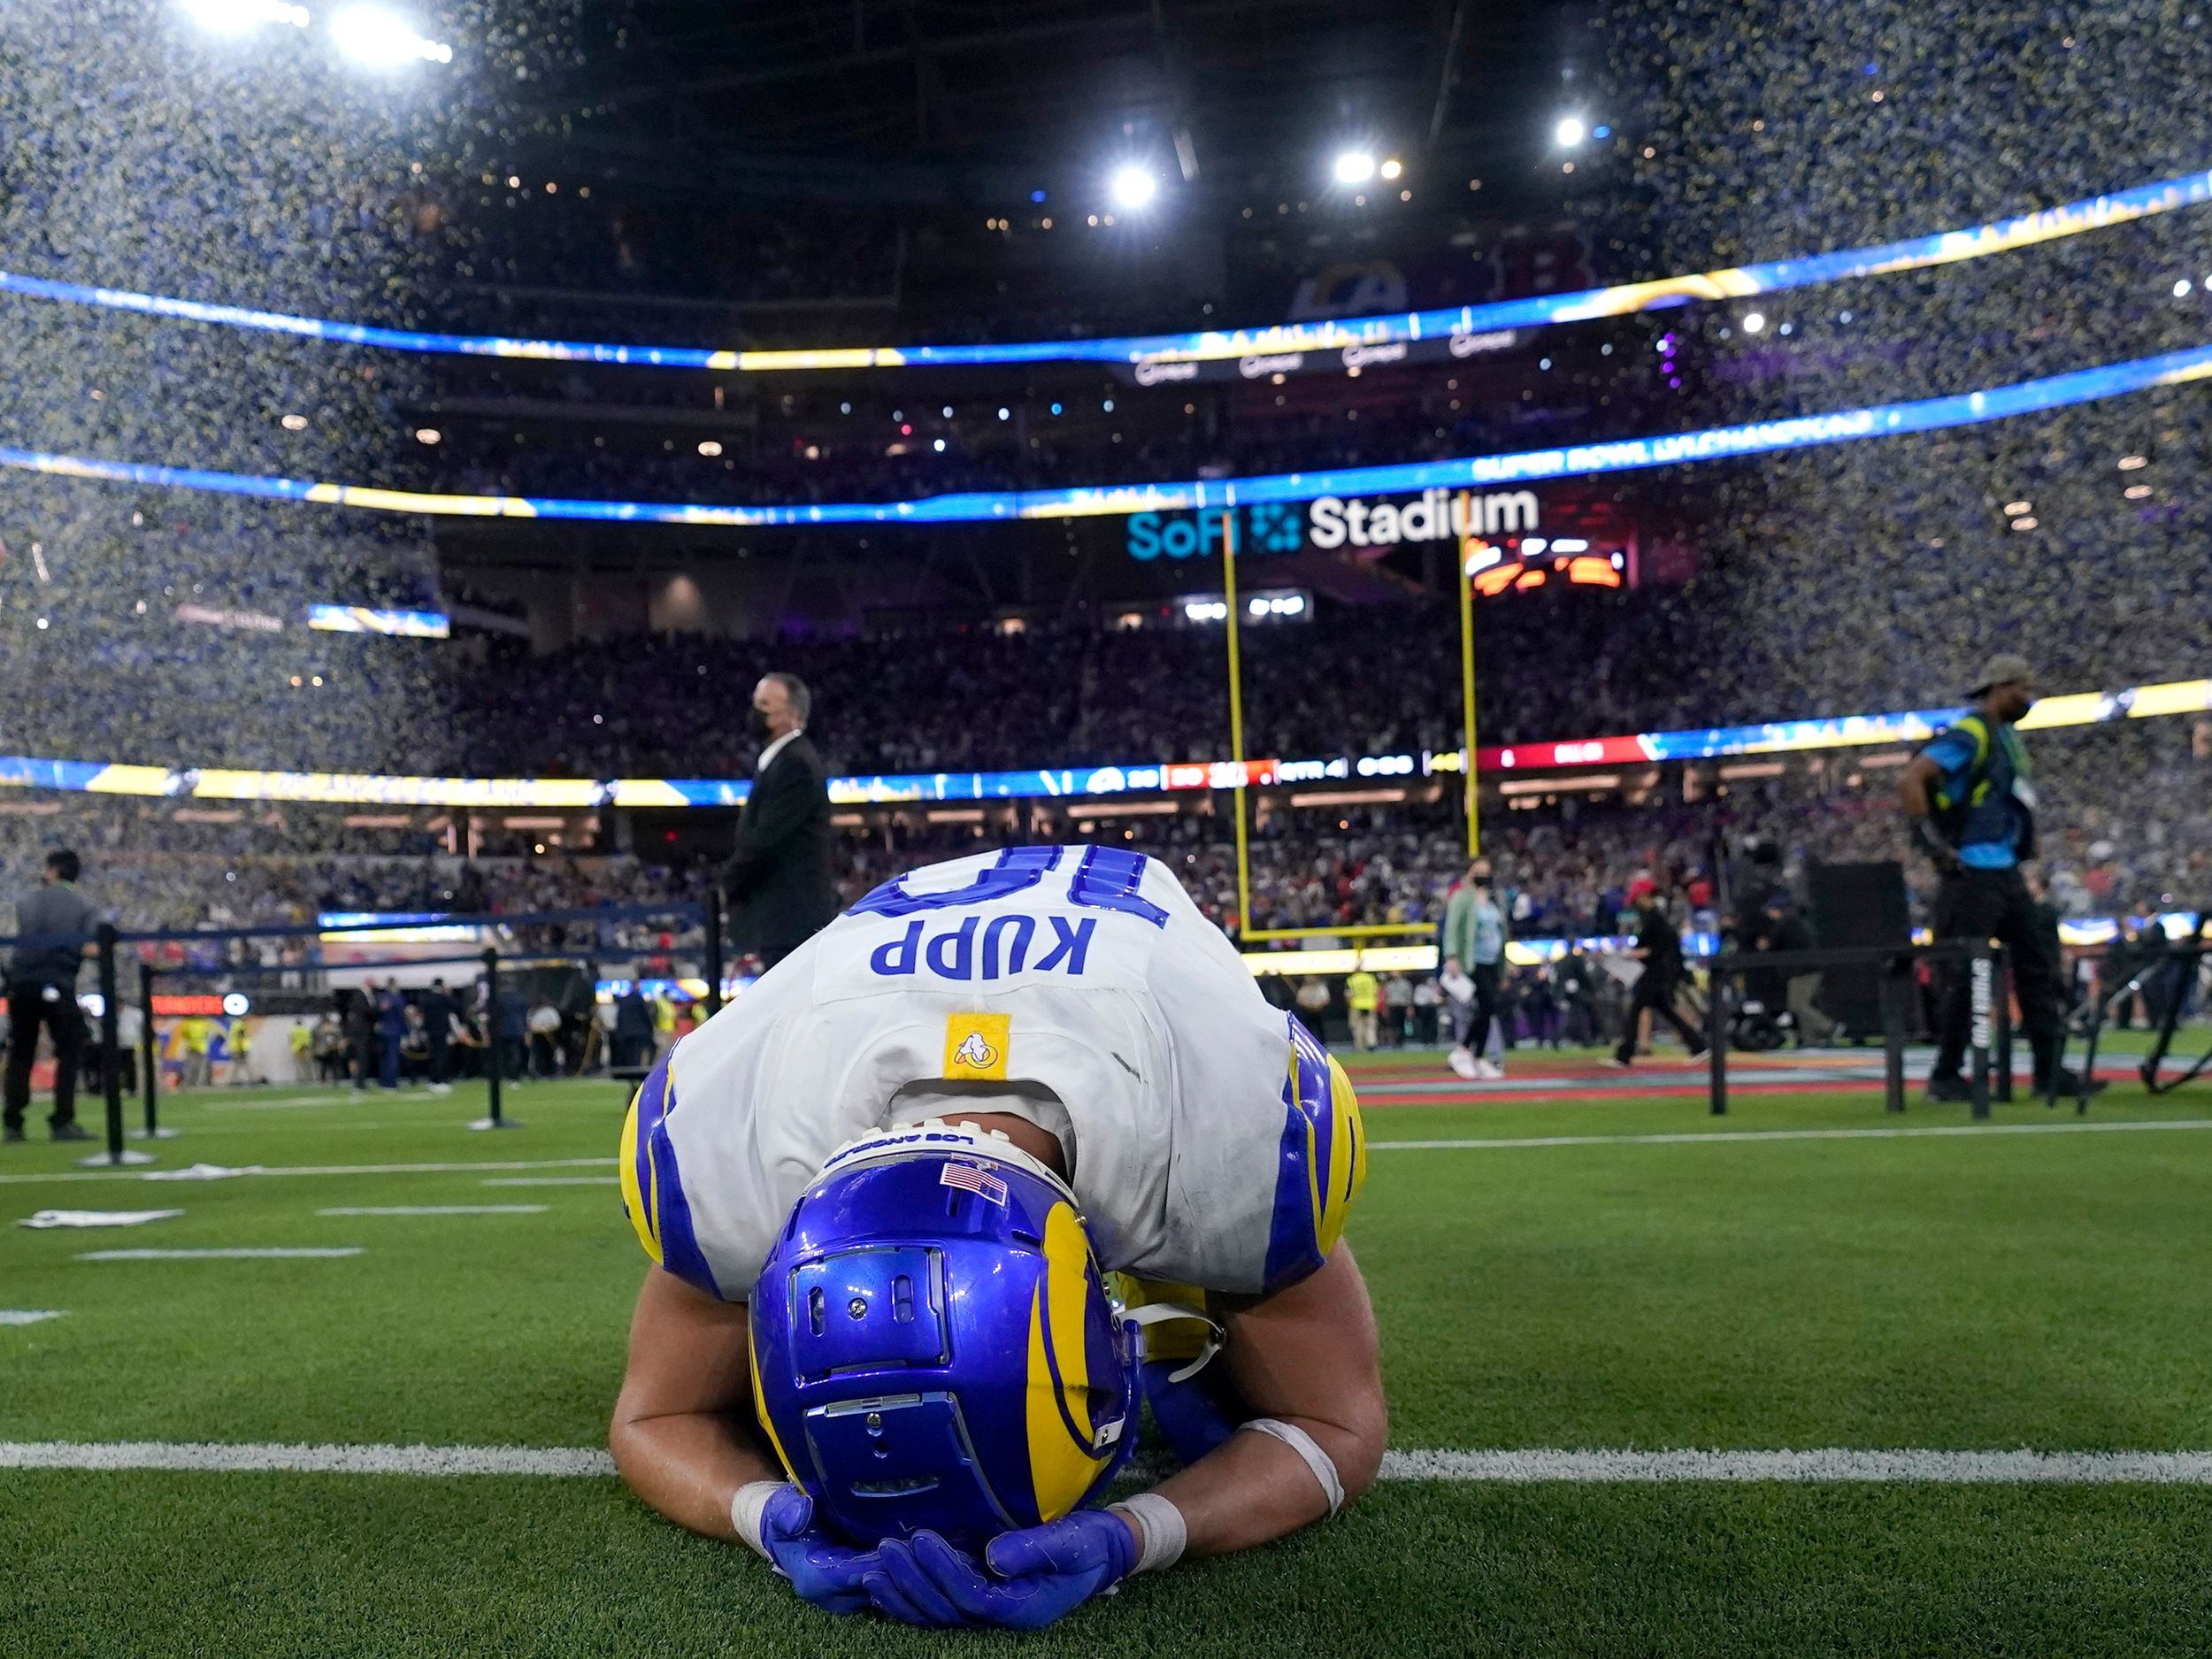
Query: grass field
pixel 1961 1292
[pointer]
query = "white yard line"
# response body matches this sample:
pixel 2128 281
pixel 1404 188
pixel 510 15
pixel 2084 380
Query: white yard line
pixel 229 1254
pixel 552 1180
pixel 1512 1467
pixel 1605 1468
pixel 436 1209
pixel 322 1168
pixel 304 1102
pixel 1929 1131
pixel 315 1460
pixel 29 1316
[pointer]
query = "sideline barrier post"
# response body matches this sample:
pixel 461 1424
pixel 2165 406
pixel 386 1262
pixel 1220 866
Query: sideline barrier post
pixel 714 952
pixel 2003 1087
pixel 111 1051
pixel 150 1074
pixel 1891 990
pixel 1982 982
pixel 1716 1042
pixel 494 1046
pixel 2088 1058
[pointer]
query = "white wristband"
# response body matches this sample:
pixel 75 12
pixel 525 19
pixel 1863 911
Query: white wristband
pixel 745 1512
pixel 1162 1525
pixel 1322 1465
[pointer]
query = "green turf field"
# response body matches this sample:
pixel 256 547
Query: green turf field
pixel 1982 1292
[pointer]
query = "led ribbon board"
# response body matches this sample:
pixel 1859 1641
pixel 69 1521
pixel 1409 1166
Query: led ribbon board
pixel 1077 784
pixel 1284 339
pixel 418 624
pixel 1623 455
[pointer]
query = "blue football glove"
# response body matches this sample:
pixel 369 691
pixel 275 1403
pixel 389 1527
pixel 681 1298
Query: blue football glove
pixel 1187 1412
pixel 827 1573
pixel 1042 1573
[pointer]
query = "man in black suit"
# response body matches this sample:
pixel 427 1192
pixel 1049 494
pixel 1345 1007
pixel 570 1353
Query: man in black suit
pixel 779 883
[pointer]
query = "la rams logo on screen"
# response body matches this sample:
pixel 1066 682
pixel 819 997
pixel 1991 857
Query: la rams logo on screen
pixel 975 1045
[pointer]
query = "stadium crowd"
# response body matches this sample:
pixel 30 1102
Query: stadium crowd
pixel 1571 866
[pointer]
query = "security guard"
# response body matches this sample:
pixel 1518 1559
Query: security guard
pixel 1971 807
pixel 41 986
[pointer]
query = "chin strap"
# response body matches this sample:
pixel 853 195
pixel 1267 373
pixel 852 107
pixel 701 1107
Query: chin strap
pixel 1152 1313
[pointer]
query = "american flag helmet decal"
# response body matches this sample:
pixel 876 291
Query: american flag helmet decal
pixel 980 1182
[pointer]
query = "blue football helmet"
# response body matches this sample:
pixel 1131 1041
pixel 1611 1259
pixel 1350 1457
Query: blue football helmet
pixel 932 1345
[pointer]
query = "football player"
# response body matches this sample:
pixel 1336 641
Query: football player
pixel 884 1192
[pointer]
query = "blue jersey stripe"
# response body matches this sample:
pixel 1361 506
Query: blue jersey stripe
pixel 661 1182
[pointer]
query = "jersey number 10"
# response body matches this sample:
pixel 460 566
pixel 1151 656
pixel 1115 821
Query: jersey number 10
pixel 1105 879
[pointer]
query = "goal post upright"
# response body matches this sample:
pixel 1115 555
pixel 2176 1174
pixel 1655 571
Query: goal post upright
pixel 1236 721
pixel 1467 672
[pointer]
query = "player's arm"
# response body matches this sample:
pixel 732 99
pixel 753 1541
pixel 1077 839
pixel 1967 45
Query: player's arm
pixel 686 1438
pixel 684 1434
pixel 1307 1356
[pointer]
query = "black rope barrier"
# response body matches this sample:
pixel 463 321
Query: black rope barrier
pixel 2187 957
pixel 107 942
pixel 1989 1032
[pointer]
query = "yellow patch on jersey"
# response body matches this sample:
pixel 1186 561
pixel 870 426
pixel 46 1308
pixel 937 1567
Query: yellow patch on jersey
pixel 975 1045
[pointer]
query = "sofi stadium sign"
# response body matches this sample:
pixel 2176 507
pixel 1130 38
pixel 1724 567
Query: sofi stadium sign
pixel 1335 521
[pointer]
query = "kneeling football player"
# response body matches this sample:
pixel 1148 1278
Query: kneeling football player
pixel 883 1191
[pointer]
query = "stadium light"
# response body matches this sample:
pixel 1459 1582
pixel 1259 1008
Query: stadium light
pixel 1754 322
pixel 381 39
pixel 1355 167
pixel 235 17
pixel 1570 132
pixel 1132 187
pixel 1393 168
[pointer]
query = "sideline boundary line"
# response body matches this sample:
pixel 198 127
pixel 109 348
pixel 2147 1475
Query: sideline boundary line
pixel 434 1209
pixel 254 1253
pixel 1532 1466
pixel 313 1169
pixel 1693 1137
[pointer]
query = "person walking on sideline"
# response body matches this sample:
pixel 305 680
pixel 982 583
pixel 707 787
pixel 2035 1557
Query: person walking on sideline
pixel 1474 946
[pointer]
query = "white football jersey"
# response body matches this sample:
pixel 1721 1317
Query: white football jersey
pixel 1214 1142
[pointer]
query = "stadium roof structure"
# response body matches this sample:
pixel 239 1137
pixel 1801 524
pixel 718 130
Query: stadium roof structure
pixel 953 101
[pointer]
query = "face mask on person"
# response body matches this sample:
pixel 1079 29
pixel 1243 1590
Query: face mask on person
pixel 760 723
